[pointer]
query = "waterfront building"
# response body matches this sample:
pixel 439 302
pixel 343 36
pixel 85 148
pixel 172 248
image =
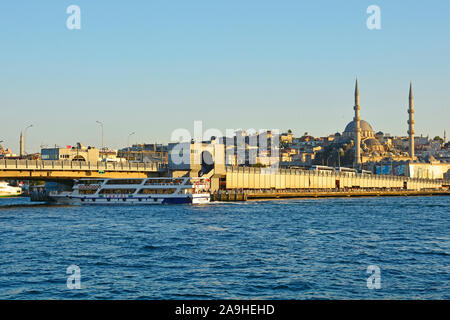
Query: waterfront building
pixel 6 153
pixel 110 155
pixel 196 159
pixel 432 169
pixel 71 153
pixel 145 153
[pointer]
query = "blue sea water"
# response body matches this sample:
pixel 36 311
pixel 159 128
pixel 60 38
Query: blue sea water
pixel 287 249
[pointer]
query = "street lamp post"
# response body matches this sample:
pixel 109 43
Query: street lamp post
pixel 103 146
pixel 24 137
pixel 128 144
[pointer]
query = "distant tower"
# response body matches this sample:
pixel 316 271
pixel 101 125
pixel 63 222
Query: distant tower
pixel 445 137
pixel 357 133
pixel 21 145
pixel 411 122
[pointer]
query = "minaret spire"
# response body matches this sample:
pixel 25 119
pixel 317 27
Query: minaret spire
pixel 356 93
pixel 410 90
pixel 357 132
pixel 411 122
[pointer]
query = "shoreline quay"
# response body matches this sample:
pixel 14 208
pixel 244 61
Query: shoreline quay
pixel 243 196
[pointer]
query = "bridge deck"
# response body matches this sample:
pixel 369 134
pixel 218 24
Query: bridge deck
pixel 49 170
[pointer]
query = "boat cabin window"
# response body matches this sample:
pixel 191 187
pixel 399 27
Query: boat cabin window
pixel 89 182
pixel 164 181
pixel 124 181
pixel 157 191
pixel 117 191
pixel 84 191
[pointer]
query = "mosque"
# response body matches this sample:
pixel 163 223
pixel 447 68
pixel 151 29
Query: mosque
pixel 373 153
pixel 367 146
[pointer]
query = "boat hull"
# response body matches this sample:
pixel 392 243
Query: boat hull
pixel 201 198
pixel 10 195
pixel 73 200
pixel 7 191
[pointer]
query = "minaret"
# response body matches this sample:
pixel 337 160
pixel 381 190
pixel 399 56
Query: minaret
pixel 21 145
pixel 411 122
pixel 445 137
pixel 357 132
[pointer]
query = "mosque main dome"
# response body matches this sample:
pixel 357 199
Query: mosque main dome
pixel 366 129
pixel 370 143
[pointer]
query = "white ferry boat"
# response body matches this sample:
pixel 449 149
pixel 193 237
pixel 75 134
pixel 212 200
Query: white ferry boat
pixel 136 191
pixel 9 191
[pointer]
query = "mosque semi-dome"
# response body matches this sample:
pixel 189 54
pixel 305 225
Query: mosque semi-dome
pixel 373 145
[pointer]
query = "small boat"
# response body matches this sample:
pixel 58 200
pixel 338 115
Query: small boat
pixel 136 191
pixel 7 190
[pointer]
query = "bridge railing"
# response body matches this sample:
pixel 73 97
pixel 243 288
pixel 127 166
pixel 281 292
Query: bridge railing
pixel 79 165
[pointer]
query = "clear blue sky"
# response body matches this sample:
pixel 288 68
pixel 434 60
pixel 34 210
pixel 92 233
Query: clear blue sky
pixel 154 66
